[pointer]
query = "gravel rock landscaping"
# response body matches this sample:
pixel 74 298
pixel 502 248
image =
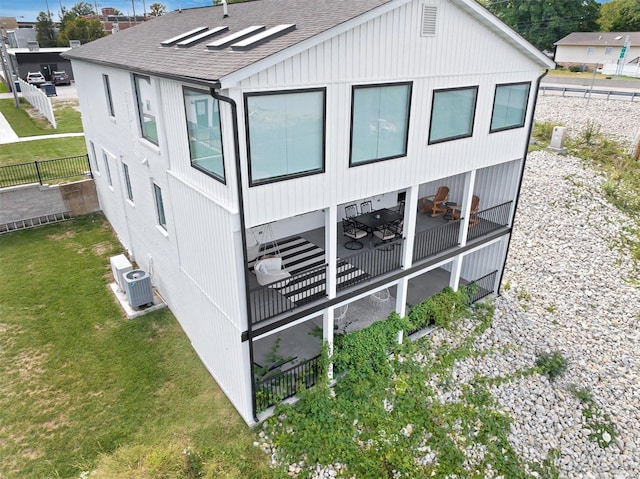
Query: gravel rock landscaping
pixel 567 287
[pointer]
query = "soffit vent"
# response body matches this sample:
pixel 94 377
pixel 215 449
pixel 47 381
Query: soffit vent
pixel 229 39
pixel 429 15
pixel 265 36
pixel 182 36
pixel 200 36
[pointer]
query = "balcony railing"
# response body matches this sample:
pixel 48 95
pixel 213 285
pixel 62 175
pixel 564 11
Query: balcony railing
pixel 489 220
pixel 287 294
pixel 434 240
pixel 482 287
pixel 286 384
pixel 370 264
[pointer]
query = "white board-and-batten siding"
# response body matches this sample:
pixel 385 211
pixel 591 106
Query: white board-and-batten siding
pixel 390 49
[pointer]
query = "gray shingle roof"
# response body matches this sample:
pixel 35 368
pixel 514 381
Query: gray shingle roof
pixel 139 49
pixel 597 39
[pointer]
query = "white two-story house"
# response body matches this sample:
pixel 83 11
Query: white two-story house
pixel 223 136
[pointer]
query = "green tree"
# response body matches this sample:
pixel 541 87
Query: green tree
pixel 157 9
pixel 83 8
pixel 83 29
pixel 45 30
pixel 620 16
pixel 544 22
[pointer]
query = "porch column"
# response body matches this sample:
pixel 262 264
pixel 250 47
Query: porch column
pixel 401 296
pixel 327 335
pixel 456 269
pixel 409 230
pixel 469 184
pixel 331 249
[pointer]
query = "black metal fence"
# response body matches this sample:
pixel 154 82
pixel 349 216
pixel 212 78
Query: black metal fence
pixel 375 262
pixel 482 287
pixel 44 171
pixel 434 240
pixel 491 219
pixel 285 384
pixel 287 294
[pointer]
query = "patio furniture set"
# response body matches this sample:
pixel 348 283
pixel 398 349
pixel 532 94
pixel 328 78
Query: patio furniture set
pixel 385 224
pixel 439 205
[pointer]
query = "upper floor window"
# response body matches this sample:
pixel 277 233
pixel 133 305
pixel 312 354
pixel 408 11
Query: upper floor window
pixel 452 114
pixel 510 106
pixel 146 108
pixel 107 93
pixel 157 193
pixel 285 134
pixel 590 50
pixel 94 157
pixel 379 122
pixel 608 50
pixel 203 130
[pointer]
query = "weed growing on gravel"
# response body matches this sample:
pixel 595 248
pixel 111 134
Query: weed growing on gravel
pixel 553 365
pixel 599 422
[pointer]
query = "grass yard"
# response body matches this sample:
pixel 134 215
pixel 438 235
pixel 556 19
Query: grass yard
pixel 45 149
pixel 83 389
pixel 24 124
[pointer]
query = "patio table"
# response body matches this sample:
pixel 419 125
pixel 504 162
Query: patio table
pixel 378 218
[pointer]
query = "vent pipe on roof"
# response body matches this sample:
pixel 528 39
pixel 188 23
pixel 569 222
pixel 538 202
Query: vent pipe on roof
pixel 224 9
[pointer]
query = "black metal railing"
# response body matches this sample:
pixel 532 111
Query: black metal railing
pixel 44 171
pixel 491 219
pixel 372 263
pixel 435 240
pixel 285 384
pixel 482 287
pixel 287 294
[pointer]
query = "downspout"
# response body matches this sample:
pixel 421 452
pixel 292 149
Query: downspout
pixel 243 232
pixel 524 163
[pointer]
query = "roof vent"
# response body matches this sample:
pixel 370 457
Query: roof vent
pixel 209 33
pixel 429 15
pixel 33 46
pixel 176 39
pixel 265 36
pixel 74 43
pixel 225 41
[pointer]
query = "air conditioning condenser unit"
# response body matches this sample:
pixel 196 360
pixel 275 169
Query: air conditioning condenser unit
pixel 120 266
pixel 137 285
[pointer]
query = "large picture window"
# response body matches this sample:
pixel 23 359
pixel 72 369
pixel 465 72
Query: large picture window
pixel 379 122
pixel 203 130
pixel 452 114
pixel 510 106
pixel 285 134
pixel 146 108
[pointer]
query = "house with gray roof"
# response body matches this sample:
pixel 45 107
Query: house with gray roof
pixel 598 48
pixel 291 170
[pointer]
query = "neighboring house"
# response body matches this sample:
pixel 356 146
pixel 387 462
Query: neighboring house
pixel 590 48
pixel 209 134
pixel 44 60
pixel 113 23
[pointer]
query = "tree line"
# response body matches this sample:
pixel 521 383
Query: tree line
pixel 80 22
pixel 544 22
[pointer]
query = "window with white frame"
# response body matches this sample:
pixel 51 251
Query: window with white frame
pixel 94 157
pixel 285 134
pixel 127 181
pixel 608 50
pixel 510 106
pixel 590 50
pixel 146 108
pixel 107 170
pixel 107 94
pixel 157 193
pixel 452 114
pixel 204 133
pixel 379 122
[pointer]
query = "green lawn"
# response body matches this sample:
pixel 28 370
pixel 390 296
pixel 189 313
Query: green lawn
pixel 45 149
pixel 67 118
pixel 83 389
pixel 3 88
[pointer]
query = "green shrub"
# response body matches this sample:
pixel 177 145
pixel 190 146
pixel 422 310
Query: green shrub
pixel 553 365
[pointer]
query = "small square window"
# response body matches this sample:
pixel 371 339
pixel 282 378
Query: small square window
pixel 608 50
pixel 452 114
pixel 590 50
pixel 510 106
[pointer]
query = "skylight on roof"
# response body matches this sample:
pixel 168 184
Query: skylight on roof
pixel 267 35
pixel 182 36
pixel 200 36
pixel 225 41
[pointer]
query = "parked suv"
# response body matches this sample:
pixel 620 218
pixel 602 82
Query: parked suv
pixel 35 78
pixel 60 78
